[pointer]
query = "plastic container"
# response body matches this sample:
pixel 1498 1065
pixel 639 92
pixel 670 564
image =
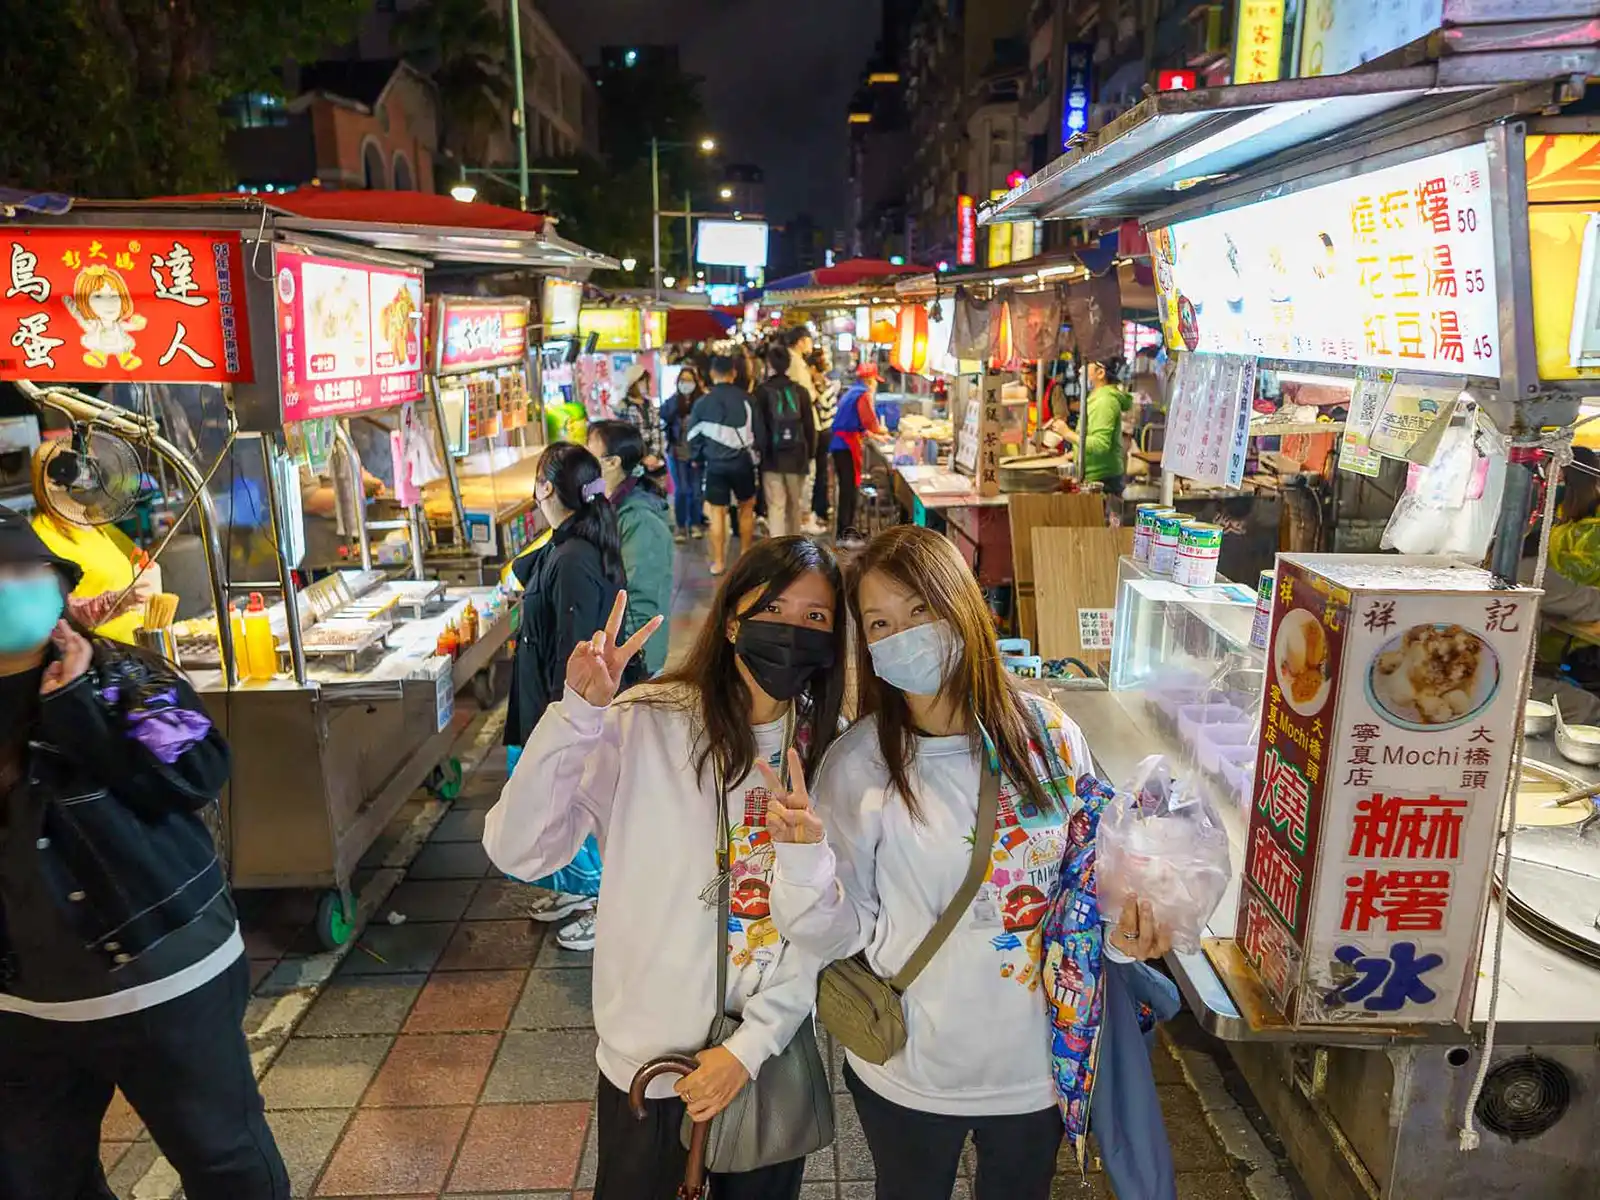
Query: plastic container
pixel 1194 717
pixel 260 646
pixel 1215 740
pixel 241 648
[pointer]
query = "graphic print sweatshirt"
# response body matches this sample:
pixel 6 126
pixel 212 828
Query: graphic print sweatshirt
pixel 625 773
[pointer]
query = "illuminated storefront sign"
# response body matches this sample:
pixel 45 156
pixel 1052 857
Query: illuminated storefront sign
pixel 1258 51
pixel 966 231
pixel 1080 84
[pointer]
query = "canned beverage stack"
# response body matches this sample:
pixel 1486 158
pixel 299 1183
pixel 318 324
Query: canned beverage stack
pixel 1199 547
pixel 1144 530
pixel 1164 546
pixel 1261 626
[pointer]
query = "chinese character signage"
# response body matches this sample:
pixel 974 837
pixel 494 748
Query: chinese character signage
pixel 1341 35
pixel 1258 53
pixel 1393 688
pixel 1367 401
pixel 474 334
pixel 1208 428
pixel 1390 269
pixel 92 305
pixel 966 231
pixel 1176 81
pixel 349 336
pixel 1079 78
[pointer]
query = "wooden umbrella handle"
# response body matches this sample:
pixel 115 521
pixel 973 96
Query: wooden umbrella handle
pixel 694 1175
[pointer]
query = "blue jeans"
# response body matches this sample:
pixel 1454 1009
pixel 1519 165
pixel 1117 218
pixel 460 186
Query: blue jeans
pixel 688 502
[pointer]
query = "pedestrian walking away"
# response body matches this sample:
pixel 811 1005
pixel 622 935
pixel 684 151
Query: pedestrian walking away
pixel 786 439
pixel 721 429
pixel 121 962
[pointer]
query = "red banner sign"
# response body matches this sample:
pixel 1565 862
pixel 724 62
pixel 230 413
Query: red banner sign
pixel 474 334
pixel 349 336
pixel 1176 81
pixel 966 231
pixel 82 305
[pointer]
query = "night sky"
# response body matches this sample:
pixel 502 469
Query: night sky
pixel 778 75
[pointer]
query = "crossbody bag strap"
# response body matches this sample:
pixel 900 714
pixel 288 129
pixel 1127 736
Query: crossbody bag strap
pixel 977 869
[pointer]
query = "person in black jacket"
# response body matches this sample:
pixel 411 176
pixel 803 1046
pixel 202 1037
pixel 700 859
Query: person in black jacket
pixel 121 963
pixel 723 437
pixel 569 588
pixel 786 439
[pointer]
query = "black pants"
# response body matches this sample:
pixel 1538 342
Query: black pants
pixel 644 1160
pixel 844 469
pixel 184 1067
pixel 819 485
pixel 917 1154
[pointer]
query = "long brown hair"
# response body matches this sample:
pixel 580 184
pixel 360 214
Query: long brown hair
pixel 922 562
pixel 709 678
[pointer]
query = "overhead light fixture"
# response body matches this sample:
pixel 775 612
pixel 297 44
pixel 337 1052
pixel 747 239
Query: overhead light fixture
pixel 629 264
pixel 726 193
pixel 708 145
pixel 944 266
pixel 669 281
pixel 464 192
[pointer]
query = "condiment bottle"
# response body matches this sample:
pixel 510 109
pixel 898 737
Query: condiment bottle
pixel 261 647
pixel 241 646
pixel 449 640
pixel 469 625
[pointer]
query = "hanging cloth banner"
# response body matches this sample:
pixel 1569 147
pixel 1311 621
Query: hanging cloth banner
pixel 1002 342
pixel 1094 311
pixel 1036 323
pixel 969 328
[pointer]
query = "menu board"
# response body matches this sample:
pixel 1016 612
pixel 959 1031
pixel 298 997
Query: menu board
pixel 1208 426
pixel 474 334
pixel 1389 269
pixel 81 304
pixel 1341 35
pixel 349 336
pixel 1393 689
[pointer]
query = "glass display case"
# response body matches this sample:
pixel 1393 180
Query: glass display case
pixel 1184 668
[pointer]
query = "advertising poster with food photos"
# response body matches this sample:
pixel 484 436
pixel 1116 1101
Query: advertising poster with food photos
pixel 1419 704
pixel 1292 764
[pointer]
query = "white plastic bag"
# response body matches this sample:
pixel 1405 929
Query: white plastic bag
pixel 1161 842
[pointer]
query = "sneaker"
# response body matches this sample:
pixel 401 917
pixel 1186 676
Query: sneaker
pixel 813 527
pixel 558 906
pixel 680 536
pixel 579 935
pixel 697 532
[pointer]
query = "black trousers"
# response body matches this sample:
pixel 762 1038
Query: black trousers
pixel 844 469
pixel 184 1067
pixel 917 1154
pixel 644 1160
pixel 819 485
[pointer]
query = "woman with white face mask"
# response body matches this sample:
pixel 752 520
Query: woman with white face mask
pixel 873 867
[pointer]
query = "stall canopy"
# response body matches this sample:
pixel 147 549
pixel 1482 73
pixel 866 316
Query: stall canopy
pixel 700 324
pixel 849 273
pixel 434 227
pixel 1171 143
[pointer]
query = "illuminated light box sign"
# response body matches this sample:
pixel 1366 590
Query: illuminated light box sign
pixel 1079 77
pixel 732 244
pixel 475 334
pixel 559 305
pixel 85 305
pixel 1393 687
pixel 1391 269
pixel 1341 35
pixel 349 335
pixel 966 231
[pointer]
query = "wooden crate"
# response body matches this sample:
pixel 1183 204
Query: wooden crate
pixel 1075 569
pixel 1029 511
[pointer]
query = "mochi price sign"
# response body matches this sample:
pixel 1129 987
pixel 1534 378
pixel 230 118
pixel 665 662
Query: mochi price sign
pixel 1417 711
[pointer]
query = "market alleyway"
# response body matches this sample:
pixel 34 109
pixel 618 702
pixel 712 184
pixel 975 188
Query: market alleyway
pixel 453 1054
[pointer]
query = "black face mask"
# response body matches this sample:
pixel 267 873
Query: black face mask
pixel 783 658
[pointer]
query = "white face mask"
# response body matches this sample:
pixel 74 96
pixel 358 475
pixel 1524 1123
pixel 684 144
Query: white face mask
pixel 917 660
pixel 685 387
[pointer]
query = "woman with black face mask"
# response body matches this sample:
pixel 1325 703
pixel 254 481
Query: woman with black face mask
pixel 667 777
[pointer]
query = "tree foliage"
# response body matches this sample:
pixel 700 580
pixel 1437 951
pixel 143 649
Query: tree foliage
pixel 463 46
pixel 123 98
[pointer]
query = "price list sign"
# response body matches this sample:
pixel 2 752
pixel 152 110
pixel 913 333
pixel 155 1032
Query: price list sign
pixel 1208 431
pixel 1393 689
pixel 1390 269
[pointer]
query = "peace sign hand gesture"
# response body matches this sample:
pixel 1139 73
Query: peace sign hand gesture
pixel 790 817
pixel 595 667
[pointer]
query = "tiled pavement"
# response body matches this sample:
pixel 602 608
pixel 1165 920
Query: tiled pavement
pixel 453 1054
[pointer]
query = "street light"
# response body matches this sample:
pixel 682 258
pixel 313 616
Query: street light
pixel 629 263
pixel 464 192
pixel 706 145
pixel 670 281
pixel 726 193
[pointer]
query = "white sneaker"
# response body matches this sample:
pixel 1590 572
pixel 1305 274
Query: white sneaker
pixel 813 527
pixel 579 935
pixel 558 906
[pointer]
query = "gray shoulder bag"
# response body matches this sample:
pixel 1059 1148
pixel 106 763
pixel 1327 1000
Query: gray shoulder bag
pixel 864 1011
pixel 786 1111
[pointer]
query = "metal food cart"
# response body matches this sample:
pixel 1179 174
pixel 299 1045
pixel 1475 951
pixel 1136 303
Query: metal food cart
pixel 326 751
pixel 1376 1107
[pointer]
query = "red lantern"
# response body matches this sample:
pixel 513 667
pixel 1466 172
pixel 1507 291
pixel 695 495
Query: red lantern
pixel 911 340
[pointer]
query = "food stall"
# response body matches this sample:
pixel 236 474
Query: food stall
pixel 1404 968
pixel 337 698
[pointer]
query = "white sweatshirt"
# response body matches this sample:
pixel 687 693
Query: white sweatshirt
pixel 625 773
pixel 978 1034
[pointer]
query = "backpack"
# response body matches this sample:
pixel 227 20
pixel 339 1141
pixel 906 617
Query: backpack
pixel 788 427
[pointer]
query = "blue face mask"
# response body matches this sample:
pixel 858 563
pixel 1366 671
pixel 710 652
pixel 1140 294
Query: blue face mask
pixel 29 610
pixel 917 660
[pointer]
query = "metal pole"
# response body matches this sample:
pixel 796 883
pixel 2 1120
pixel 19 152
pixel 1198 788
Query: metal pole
pixel 688 238
pixel 655 216
pixel 291 598
pixel 520 117
pixel 358 490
